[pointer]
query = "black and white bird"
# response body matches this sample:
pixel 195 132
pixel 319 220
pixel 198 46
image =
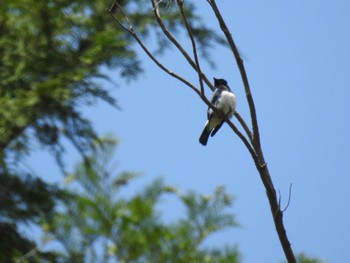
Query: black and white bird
pixel 225 102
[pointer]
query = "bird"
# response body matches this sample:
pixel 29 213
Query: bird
pixel 225 102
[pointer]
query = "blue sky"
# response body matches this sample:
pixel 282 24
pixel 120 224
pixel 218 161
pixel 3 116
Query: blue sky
pixel 297 57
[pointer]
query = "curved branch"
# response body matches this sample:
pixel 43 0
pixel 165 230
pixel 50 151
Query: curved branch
pixel 177 44
pixel 289 198
pixel 245 142
pixel 242 71
pixel 131 31
pixel 260 165
pixel 194 48
pixel 253 145
pixel 199 93
pixel 245 126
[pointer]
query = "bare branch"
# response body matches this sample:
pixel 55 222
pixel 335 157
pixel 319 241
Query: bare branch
pixel 242 71
pixel 244 125
pixel 201 95
pixel 194 48
pixel 260 164
pixel 131 31
pixel 245 141
pixel 289 198
pixel 253 144
pixel 177 44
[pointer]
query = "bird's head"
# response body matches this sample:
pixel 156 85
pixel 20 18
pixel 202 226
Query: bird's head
pixel 218 82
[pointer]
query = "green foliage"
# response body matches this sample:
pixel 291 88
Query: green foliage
pixel 22 199
pixel 99 224
pixel 52 56
pixel 303 258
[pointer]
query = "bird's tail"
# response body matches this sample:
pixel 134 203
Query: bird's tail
pixel 216 129
pixel 203 139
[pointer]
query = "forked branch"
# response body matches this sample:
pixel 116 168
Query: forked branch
pixel 173 40
pixel 129 29
pixel 262 168
pixel 241 68
pixel 194 48
pixel 252 144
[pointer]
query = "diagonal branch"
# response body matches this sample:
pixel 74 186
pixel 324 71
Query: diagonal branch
pixel 245 126
pixel 201 75
pixel 177 44
pixel 194 48
pixel 244 140
pixel 131 31
pixel 261 166
pixel 239 61
pixel 289 198
pixel 253 145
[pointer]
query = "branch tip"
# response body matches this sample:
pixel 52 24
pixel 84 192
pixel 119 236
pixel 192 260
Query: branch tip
pixel 289 198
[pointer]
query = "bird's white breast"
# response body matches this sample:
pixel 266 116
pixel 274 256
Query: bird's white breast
pixel 227 103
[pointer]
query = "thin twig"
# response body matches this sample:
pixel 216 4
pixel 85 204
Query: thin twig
pixel 244 125
pixel 160 65
pixel 242 71
pixel 177 44
pixel 34 251
pixel 200 74
pixel 261 164
pixel 131 31
pixel 254 148
pixel 194 48
pixel 289 198
pixel 245 141
pixel 112 8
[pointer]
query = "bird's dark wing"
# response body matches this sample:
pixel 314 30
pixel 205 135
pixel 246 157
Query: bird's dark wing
pixel 215 96
pixel 213 100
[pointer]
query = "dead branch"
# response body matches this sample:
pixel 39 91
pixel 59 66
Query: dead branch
pixel 177 44
pixel 194 48
pixel 129 29
pixel 253 145
pixel 241 68
pixel 289 198
pixel 261 164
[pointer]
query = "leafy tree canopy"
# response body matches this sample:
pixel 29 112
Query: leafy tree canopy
pixel 52 53
pixel 99 224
